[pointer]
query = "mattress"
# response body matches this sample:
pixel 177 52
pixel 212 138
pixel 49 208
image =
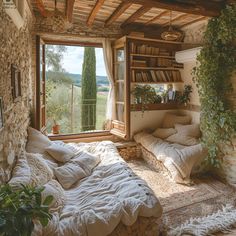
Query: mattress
pixel 110 196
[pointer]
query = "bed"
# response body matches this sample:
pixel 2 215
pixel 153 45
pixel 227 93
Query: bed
pixel 111 200
pixel 174 148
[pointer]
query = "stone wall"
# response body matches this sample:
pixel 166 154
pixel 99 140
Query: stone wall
pixel 15 48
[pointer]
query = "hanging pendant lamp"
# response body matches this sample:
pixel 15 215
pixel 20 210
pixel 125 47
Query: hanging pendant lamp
pixel 171 34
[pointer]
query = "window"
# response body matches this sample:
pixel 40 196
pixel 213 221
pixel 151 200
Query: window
pixel 76 89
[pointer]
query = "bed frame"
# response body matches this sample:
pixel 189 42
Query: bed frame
pixel 144 226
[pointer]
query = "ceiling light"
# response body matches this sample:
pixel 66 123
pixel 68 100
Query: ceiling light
pixel 171 34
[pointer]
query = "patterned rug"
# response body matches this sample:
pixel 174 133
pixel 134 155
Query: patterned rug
pixel 181 202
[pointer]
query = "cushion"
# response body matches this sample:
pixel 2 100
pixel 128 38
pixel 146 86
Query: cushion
pixel 77 168
pixel 54 189
pixel 182 139
pixel 87 161
pixel 37 142
pixel 40 171
pixel 21 173
pixel 69 174
pixel 60 153
pixel 171 119
pixel 163 133
pixel 192 130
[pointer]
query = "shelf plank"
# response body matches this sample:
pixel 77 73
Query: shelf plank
pixel 147 55
pixel 164 82
pixel 155 106
pixel 153 68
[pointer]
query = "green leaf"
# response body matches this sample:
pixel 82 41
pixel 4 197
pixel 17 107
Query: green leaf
pixel 48 200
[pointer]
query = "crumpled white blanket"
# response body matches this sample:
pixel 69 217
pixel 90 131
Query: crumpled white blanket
pixel 179 160
pixel 98 203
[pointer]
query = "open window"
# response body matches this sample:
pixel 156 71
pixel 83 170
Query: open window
pixel 71 95
pixel 120 125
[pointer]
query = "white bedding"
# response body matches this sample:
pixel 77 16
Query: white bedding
pixel 98 203
pixel 178 159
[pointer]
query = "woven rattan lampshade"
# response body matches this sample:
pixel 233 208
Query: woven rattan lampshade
pixel 171 34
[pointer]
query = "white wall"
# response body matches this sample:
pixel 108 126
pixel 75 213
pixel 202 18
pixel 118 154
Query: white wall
pixel 147 120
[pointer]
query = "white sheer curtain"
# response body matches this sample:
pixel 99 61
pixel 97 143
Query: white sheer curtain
pixel 107 52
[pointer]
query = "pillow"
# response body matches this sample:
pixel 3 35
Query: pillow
pixel 163 133
pixel 40 171
pixel 182 139
pixel 37 142
pixel 77 168
pixel 69 174
pixel 171 119
pixel 54 189
pixel 192 130
pixel 60 153
pixel 87 161
pixel 21 173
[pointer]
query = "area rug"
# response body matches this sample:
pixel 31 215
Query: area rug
pixel 220 221
pixel 180 202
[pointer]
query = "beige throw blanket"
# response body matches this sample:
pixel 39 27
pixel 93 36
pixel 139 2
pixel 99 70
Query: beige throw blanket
pixel 179 160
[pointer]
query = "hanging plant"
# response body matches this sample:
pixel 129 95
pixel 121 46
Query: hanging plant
pixel 215 66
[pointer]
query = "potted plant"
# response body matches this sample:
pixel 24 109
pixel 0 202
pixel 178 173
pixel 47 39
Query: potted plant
pixel 21 208
pixel 55 127
pixel 144 94
pixel 184 98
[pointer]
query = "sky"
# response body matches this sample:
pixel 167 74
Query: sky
pixel 73 60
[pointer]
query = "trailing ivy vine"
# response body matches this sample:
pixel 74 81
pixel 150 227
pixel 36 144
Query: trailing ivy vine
pixel 215 66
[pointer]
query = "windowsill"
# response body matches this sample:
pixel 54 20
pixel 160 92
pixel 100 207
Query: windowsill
pixel 70 137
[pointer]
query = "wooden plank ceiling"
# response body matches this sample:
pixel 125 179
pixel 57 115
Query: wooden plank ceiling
pixel 122 13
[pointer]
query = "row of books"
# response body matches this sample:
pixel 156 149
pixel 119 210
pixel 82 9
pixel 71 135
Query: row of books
pixel 148 50
pixel 156 76
pixel 156 62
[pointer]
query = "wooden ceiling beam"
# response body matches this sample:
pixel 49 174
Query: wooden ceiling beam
pixel 41 8
pixel 173 20
pixel 194 21
pixel 69 9
pixel 94 12
pixel 141 11
pixel 199 7
pixel 119 11
pixel 156 17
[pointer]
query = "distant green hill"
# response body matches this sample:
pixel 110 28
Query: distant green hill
pixel 101 80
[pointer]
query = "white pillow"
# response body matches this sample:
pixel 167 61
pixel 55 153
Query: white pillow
pixel 37 142
pixel 40 171
pixel 54 189
pixel 87 161
pixel 69 173
pixel 21 173
pixel 182 139
pixel 77 168
pixel 170 120
pixel 192 130
pixel 163 133
pixel 60 153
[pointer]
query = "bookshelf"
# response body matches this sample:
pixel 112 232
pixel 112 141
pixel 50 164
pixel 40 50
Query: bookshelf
pixel 153 63
pixel 141 61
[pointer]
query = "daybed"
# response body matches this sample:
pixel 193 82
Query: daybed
pixel 174 148
pixel 98 194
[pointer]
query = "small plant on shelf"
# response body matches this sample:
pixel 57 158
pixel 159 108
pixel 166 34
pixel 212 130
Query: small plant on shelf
pixel 184 97
pixel 144 95
pixel 19 209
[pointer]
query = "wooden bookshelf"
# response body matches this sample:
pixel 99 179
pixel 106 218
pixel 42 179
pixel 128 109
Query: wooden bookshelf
pixel 141 61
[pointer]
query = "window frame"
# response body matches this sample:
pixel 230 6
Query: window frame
pixel 82 135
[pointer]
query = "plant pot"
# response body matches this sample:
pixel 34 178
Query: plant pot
pixel 56 129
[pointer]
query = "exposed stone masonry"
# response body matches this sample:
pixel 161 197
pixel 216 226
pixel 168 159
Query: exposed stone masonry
pixel 15 48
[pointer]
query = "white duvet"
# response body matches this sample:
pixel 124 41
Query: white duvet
pixel 178 159
pixel 98 203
